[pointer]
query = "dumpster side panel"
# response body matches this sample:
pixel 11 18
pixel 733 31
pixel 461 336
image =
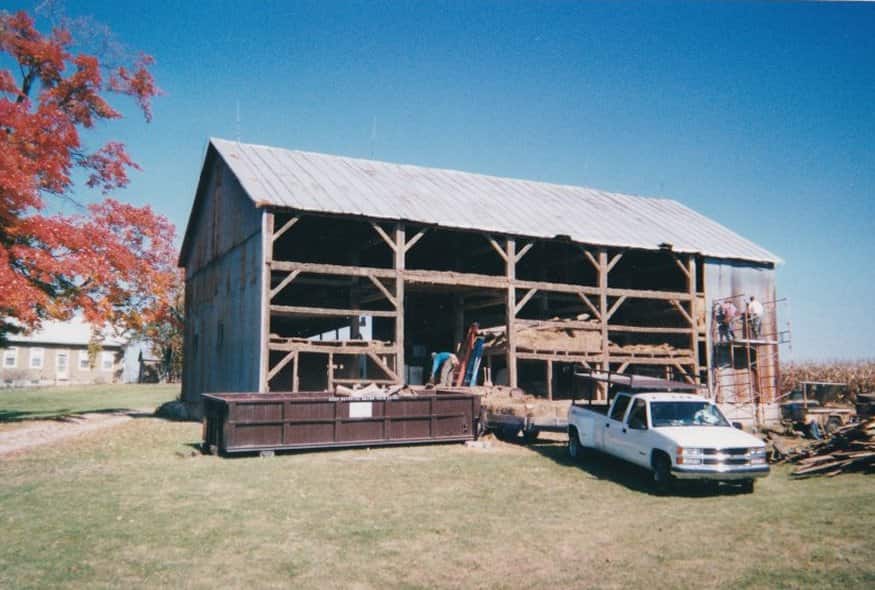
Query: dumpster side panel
pixel 252 422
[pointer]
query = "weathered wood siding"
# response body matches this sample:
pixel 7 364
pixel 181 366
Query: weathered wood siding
pixel 223 291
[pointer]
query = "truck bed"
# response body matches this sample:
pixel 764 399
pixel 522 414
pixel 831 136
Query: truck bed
pixel 598 408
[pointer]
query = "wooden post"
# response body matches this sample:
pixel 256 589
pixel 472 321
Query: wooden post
pixel 355 301
pixel 295 383
pixel 549 379
pixel 400 256
pixel 267 222
pixel 330 371
pixel 694 334
pixel 603 314
pixel 510 266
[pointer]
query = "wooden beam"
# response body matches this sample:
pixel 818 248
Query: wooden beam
pixel 603 306
pixel 694 333
pixel 330 369
pixel 523 301
pixel 382 233
pixel 614 307
pixel 561 358
pixel 523 251
pixel 589 304
pixel 683 312
pixel 681 266
pixel 647 329
pixel 342 347
pixel 400 262
pixel 623 367
pixel 473 280
pixel 384 291
pixel 286 227
pixel 298 310
pixel 283 362
pixel 382 364
pixel 412 241
pixel 592 260
pixel 684 372
pixel 614 261
pixel 295 378
pixel 333 269
pixel 495 246
pixel 510 312
pixel 289 278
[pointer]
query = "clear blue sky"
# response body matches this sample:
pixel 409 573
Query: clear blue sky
pixel 760 115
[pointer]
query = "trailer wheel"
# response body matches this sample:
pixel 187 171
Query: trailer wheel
pixel 530 435
pixel 747 486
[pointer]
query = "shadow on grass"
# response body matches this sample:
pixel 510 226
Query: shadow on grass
pixel 63 415
pixel 67 415
pixel 606 467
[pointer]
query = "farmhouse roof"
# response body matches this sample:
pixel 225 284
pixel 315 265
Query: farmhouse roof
pixel 75 331
pixel 321 183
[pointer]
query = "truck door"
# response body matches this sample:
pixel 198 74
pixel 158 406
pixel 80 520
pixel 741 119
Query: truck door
pixel 634 444
pixel 613 425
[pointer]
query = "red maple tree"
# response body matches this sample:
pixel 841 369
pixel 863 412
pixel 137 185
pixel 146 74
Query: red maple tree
pixel 111 261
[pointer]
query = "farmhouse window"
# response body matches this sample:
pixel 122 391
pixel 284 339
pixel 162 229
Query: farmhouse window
pixel 36 358
pixel 10 358
pixel 106 360
pixel 84 361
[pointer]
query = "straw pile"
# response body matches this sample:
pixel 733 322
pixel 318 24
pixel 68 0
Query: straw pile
pixel 515 402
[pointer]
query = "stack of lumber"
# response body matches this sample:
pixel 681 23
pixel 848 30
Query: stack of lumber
pixel 850 448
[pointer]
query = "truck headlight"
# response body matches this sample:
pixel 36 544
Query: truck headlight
pixel 689 456
pixel 758 456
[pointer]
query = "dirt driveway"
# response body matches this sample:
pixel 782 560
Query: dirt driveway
pixel 42 432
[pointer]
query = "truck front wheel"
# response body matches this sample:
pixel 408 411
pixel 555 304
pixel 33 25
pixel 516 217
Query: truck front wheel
pixel 662 479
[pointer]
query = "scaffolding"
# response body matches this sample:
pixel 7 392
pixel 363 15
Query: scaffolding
pixel 745 368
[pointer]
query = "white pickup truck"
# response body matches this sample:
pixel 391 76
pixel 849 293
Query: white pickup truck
pixel 674 435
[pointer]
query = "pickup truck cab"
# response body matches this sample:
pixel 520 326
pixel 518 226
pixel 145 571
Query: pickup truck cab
pixel 674 435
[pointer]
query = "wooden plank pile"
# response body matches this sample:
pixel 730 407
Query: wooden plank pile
pixel 850 448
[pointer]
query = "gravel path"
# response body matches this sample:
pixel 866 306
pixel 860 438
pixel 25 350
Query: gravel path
pixel 43 432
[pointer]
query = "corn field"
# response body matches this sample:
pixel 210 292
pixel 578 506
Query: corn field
pixel 859 375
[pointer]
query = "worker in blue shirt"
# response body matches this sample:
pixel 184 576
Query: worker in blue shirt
pixel 446 362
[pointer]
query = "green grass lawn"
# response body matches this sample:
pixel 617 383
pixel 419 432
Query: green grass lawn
pixel 130 507
pixel 52 403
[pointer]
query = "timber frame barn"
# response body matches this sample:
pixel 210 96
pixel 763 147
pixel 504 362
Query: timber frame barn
pixel 305 271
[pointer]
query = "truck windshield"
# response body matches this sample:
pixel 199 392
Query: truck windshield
pixel 685 414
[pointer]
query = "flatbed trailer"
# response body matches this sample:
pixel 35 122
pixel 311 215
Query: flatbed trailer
pixel 508 426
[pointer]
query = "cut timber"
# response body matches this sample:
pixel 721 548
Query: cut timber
pixel 850 448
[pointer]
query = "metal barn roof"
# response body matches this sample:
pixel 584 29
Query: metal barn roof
pixel 324 183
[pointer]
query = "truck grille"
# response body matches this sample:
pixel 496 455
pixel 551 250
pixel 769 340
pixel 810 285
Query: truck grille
pixel 734 452
pixel 734 456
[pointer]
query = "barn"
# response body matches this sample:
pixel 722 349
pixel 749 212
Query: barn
pixel 305 271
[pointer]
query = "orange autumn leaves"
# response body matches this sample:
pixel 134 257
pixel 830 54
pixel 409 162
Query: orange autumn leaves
pixel 113 262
